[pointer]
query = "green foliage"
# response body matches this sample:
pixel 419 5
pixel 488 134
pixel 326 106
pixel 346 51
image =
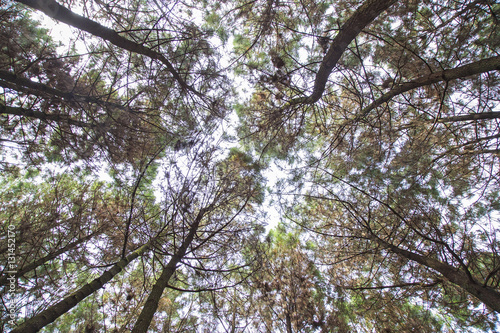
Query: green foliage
pixel 386 144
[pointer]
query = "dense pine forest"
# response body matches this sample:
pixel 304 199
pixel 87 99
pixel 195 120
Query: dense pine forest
pixel 249 166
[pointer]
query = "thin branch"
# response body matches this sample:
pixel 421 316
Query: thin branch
pixel 402 285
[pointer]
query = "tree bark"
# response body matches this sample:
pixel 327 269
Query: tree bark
pixel 472 116
pixel 288 322
pixel 481 66
pixel 49 315
pixel 60 13
pixel 489 296
pixel 154 297
pixel 361 18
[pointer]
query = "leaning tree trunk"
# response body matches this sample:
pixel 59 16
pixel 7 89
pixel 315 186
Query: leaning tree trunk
pixel 58 12
pixel 49 315
pixel 151 304
pixel 488 295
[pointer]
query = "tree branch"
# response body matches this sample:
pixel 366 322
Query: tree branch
pixel 52 313
pixel 362 17
pixel 402 285
pixel 37 263
pixel 12 81
pixel 18 111
pixel 472 116
pixel 60 13
pixel 477 67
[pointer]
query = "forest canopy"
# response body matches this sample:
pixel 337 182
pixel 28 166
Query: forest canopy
pixel 249 166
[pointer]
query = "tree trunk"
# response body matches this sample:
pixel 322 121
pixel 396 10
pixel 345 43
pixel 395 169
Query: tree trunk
pixel 288 323
pixel 49 315
pixel 362 17
pixel 151 304
pixel 485 294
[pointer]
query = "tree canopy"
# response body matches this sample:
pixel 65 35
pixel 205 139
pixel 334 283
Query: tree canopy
pixel 250 166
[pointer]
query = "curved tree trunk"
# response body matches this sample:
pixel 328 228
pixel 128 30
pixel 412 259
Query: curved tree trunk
pixel 52 9
pixel 362 17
